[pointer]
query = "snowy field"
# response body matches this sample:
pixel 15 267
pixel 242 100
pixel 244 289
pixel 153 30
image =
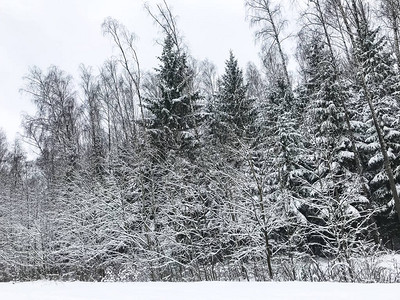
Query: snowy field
pixel 43 290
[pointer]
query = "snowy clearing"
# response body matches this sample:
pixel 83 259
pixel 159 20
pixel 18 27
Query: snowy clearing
pixel 44 290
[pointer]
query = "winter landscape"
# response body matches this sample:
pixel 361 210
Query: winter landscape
pixel 278 179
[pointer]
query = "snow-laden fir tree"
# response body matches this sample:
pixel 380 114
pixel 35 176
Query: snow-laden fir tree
pixel 381 147
pixel 232 112
pixel 174 114
pixel 280 135
pixel 335 190
pixel 383 83
pixel 280 168
pixel 333 152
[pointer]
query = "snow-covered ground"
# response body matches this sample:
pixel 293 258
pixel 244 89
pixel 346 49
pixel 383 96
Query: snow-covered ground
pixel 43 290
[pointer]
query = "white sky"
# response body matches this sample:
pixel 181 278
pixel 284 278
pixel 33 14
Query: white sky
pixel 67 33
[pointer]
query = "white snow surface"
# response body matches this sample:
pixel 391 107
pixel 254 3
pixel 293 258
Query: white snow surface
pixel 46 290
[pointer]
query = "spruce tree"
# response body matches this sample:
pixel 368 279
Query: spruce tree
pixel 383 83
pixel 174 114
pixel 335 191
pixel 280 163
pixel 232 111
pixel 334 157
pixel 280 136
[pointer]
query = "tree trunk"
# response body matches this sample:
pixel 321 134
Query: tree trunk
pixel 262 209
pixel 278 42
pixel 395 28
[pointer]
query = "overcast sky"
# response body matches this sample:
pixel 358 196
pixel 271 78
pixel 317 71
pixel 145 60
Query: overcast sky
pixel 67 33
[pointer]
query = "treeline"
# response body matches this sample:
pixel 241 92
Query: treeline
pixel 178 174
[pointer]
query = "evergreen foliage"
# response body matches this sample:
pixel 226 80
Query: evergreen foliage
pixel 174 114
pixel 383 82
pixel 232 112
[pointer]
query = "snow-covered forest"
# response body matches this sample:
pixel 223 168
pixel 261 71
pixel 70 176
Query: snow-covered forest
pixel 182 174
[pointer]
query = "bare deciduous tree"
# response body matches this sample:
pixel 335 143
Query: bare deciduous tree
pixel 125 41
pixel 267 17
